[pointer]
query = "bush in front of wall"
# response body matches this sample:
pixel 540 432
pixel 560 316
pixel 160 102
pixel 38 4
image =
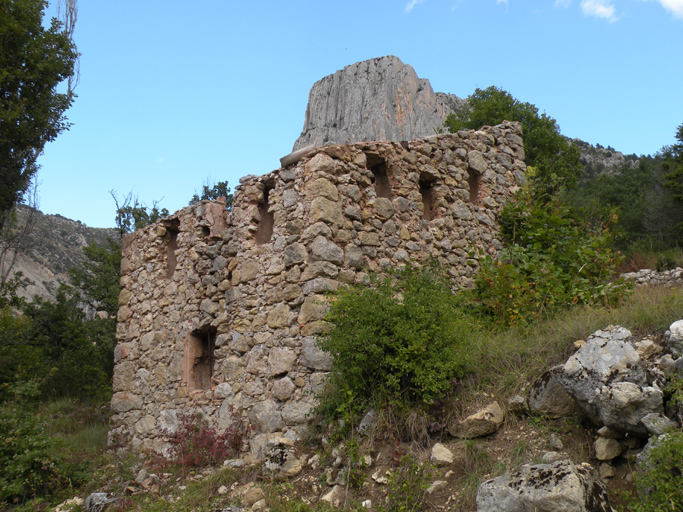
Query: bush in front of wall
pixel 400 340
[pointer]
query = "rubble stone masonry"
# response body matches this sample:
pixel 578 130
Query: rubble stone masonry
pixel 219 309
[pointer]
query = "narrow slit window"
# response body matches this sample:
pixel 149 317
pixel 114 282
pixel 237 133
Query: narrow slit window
pixel 473 181
pixel 265 227
pixel 427 193
pixel 171 247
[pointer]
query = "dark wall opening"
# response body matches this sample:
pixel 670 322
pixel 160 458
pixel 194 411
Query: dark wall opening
pixel 473 181
pixel 427 193
pixel 378 167
pixel 172 230
pixel 203 345
pixel 265 227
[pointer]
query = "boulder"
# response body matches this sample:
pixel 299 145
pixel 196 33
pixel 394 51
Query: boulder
pixel 558 487
pixel 609 383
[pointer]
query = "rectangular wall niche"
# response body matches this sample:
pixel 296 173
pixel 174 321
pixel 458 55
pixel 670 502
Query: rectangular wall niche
pixel 198 360
pixel 264 231
pixel 473 181
pixel 427 193
pixel 171 237
pixel 378 168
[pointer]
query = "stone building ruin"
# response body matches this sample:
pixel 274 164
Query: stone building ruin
pixel 219 309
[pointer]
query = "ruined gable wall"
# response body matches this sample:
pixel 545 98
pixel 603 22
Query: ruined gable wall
pixel 242 292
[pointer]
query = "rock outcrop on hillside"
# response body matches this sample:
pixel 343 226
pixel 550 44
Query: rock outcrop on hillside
pixel 54 246
pixel 376 99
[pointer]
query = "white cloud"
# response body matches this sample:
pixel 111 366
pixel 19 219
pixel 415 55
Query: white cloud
pixel 674 6
pixel 563 3
pixel 504 2
pixel 413 3
pixel 599 9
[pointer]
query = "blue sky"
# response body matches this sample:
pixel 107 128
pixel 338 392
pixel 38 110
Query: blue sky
pixel 174 93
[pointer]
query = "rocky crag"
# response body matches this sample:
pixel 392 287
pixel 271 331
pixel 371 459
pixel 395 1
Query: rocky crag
pixel 376 99
pixel 53 247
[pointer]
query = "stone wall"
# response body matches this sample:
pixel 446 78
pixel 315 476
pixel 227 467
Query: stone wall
pixel 219 309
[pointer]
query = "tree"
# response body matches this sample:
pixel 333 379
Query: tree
pixel 673 165
pixel 34 60
pixel 131 214
pixel 550 154
pixel 213 192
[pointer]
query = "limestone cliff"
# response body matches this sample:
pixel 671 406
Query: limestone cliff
pixel 54 246
pixel 377 99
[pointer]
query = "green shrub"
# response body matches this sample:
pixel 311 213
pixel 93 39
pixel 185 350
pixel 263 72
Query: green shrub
pixel 660 480
pixel 400 340
pixel 29 457
pixel 551 261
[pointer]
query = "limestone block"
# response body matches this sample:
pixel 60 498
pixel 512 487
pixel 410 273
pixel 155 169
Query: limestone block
pixel 476 162
pixel 314 308
pixel 124 401
pixel 266 417
pixel 383 208
pixel 314 358
pixel 124 373
pixel 324 250
pixel 321 163
pixel 280 360
pixel 324 210
pixel 248 270
pixel 367 238
pixel 296 413
pixel 295 254
pixel 289 198
pixel 322 187
pixel 278 316
pixel 354 256
pixel 283 388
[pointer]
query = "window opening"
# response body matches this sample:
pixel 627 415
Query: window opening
pixel 427 193
pixel 171 246
pixel 199 359
pixel 265 227
pixel 378 167
pixel 473 181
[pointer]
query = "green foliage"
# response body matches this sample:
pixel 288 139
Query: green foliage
pixel 131 214
pixel 550 261
pixel 407 486
pixel 553 157
pixel 97 282
pixel 212 192
pixel 33 61
pixel 660 480
pixel 74 356
pixel 399 340
pixel 29 457
pixel 673 164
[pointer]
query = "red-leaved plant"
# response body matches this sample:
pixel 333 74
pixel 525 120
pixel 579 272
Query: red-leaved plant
pixel 196 444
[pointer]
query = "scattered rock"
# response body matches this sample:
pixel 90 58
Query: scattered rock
pixel 606 470
pixel 441 455
pixel 437 486
pixel 98 502
pixel 607 449
pixel 482 423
